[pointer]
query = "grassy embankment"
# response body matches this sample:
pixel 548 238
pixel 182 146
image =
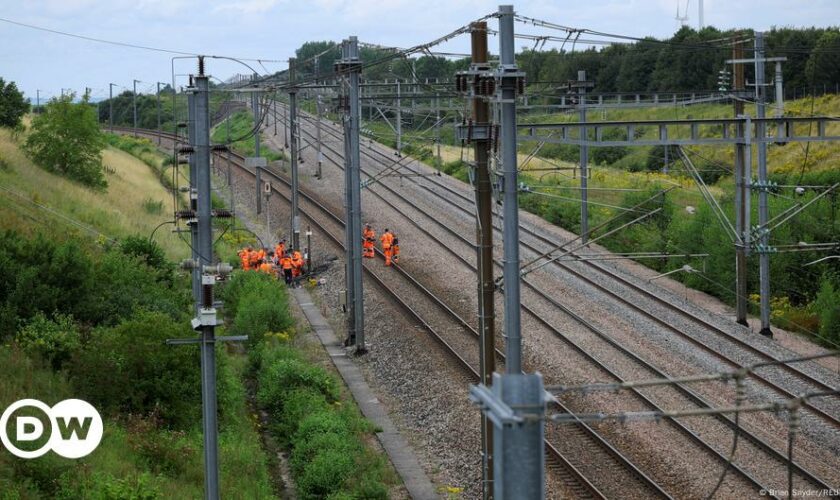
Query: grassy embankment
pixel 73 304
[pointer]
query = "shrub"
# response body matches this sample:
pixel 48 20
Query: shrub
pixel 827 305
pixel 258 304
pixel 130 369
pixel 66 139
pixel 154 207
pixel 279 377
pixel 150 252
pixel 55 340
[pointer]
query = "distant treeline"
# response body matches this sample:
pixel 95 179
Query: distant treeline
pixel 690 60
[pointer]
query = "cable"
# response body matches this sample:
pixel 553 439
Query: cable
pixel 121 44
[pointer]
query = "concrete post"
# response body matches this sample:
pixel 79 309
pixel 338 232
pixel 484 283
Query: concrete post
pixel 134 105
pixel 763 206
pixel 110 107
pixel 584 160
pixel 158 111
pixel 295 220
pixel 399 120
pixel 742 195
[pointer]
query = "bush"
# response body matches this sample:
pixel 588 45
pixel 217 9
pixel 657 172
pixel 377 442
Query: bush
pixel 66 139
pixel 128 369
pixel 150 252
pixel 277 379
pixel 40 275
pixel 55 340
pixel 258 304
pixel 827 305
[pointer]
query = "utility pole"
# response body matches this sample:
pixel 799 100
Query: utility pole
pixel 484 238
pixel 255 107
pixel 437 124
pixel 399 120
pixel 158 110
pixel 201 224
pixel 285 129
pixel 205 256
pixel 584 159
pixel 295 219
pixel 763 248
pixel 318 106
pixel 351 66
pixel 742 192
pixel 111 107
pixel 516 402
pixel 134 101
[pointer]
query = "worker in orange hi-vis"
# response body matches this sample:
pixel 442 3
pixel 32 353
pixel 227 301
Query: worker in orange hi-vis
pixel 395 249
pixel 253 259
pixel 297 263
pixel 279 249
pixel 245 258
pixel 368 241
pixel 286 265
pixel 266 267
pixel 387 245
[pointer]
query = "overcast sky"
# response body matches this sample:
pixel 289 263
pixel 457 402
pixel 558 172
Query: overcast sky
pixel 272 29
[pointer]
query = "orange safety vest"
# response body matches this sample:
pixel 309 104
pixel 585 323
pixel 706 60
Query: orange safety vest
pixel 369 234
pixel 387 240
pixel 266 268
pixel 279 249
pixel 245 257
pixel 286 262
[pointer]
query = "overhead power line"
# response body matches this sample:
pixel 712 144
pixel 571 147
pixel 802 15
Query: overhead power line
pixel 132 45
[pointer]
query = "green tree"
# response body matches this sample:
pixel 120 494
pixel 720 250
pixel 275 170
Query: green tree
pixel 66 139
pixel 12 105
pixel 823 67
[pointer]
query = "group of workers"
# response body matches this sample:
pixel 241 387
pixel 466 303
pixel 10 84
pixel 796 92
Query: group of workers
pixel 390 245
pixel 275 262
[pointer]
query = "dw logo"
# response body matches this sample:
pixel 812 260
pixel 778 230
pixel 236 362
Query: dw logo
pixel 73 428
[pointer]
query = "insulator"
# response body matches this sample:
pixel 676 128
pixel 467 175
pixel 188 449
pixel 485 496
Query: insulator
pixel 491 86
pixel 184 214
pixel 222 213
pixel 520 85
pixel 220 147
pixel 182 125
pixel 186 149
pixel 200 65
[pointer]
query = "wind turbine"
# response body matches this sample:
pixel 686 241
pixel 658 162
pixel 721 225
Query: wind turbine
pixel 683 20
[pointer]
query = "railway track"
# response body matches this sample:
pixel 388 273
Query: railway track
pixel 760 445
pixel 800 472
pixel 556 460
pixel 748 353
pixel 617 348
